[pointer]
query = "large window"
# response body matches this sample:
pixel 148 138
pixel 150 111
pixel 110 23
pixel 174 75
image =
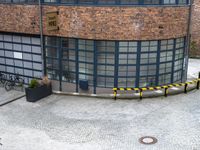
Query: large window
pixel 115 63
pixel 148 63
pixel 86 1
pixel 85 59
pixel 107 2
pixel 68 57
pixel 106 63
pixel 166 57
pixel 179 58
pixel 67 1
pixel 20 55
pixel 129 2
pixel 127 64
pixel 18 1
pixel 52 57
pixel 182 1
pixel 151 2
pixel 170 1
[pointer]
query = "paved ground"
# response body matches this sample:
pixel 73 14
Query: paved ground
pixel 77 123
pixel 9 96
pixel 193 68
pixel 74 123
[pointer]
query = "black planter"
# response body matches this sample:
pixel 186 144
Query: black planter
pixel 35 94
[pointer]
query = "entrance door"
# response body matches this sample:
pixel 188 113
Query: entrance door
pixel 68 65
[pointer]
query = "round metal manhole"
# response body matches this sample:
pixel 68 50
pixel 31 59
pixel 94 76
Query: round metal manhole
pixel 148 140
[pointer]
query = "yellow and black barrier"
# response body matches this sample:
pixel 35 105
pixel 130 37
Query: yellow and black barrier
pixel 165 87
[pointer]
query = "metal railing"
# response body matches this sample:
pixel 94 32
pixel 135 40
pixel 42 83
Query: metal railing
pixel 165 87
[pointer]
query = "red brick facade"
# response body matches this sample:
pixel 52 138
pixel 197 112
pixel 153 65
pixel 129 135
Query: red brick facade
pixel 195 30
pixel 106 23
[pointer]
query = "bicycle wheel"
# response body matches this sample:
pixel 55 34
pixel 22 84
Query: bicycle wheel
pixel 2 81
pixel 8 86
pixel 19 82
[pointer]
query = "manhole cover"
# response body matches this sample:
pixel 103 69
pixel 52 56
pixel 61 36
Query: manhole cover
pixel 148 140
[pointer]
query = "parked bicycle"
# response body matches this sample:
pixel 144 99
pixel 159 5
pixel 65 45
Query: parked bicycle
pixel 14 81
pixel 2 78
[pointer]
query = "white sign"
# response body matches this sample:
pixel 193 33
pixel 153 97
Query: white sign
pixel 18 55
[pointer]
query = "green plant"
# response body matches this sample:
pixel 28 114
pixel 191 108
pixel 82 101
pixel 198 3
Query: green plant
pixel 34 83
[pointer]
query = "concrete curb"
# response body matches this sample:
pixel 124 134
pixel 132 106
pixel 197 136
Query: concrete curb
pixel 12 100
pixel 134 95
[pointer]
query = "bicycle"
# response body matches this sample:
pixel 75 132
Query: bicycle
pixel 16 82
pixel 2 78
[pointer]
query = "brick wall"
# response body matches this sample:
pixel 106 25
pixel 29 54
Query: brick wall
pixel 112 23
pixel 195 29
pixel 19 18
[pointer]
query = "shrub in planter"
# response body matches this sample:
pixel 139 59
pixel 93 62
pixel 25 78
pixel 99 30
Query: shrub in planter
pixel 38 89
pixel 34 83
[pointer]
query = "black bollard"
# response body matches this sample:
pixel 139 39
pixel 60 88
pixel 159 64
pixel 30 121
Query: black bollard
pixel 115 94
pixel 198 85
pixel 185 89
pixel 141 94
pixel 166 92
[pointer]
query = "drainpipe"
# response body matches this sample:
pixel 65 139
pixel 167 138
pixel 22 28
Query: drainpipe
pixel 41 38
pixel 188 35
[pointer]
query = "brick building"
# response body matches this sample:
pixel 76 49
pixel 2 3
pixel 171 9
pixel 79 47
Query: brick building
pixel 195 30
pixel 91 46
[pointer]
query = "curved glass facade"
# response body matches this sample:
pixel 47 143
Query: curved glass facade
pixel 111 64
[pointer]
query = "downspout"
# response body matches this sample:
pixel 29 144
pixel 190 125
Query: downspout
pixel 188 35
pixel 41 38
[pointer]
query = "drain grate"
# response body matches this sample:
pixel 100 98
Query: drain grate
pixel 148 140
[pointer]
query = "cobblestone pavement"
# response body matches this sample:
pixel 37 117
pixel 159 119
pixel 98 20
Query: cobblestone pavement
pixel 9 96
pixel 193 68
pixel 80 123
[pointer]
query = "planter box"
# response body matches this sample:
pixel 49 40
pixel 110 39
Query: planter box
pixel 35 94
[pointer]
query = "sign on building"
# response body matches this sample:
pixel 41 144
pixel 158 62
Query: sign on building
pixel 52 21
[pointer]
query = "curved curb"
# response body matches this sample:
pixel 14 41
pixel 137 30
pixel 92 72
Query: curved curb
pixel 168 89
pixel 135 95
